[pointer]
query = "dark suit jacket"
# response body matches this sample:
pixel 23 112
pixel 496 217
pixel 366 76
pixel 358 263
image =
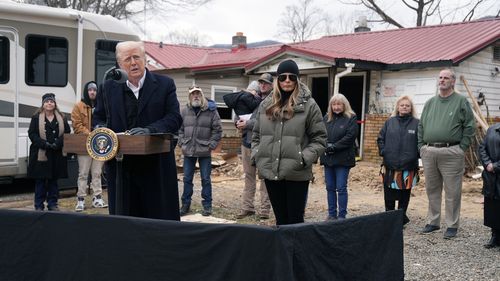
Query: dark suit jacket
pixel 149 182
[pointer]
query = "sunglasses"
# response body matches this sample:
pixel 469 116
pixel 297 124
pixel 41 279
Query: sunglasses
pixel 291 77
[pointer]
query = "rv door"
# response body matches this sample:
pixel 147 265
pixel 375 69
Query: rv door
pixel 9 146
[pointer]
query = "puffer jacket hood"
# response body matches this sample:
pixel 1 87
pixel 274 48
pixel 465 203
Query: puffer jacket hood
pixel 85 95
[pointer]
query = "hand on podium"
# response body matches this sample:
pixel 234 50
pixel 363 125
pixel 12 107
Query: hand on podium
pixel 139 131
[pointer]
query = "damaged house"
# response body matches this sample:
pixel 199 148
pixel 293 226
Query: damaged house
pixel 372 69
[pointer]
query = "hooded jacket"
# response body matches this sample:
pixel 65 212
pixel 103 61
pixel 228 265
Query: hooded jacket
pixel 81 116
pixel 286 150
pixel 200 131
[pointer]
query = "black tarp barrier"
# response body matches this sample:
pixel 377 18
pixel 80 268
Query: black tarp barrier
pixel 69 246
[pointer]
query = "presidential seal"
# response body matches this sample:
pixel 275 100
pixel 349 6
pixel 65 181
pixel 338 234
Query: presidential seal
pixel 102 144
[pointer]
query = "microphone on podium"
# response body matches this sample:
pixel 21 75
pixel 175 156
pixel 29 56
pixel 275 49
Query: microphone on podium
pixel 116 74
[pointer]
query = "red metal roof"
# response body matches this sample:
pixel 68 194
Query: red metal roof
pixel 449 42
pixel 452 42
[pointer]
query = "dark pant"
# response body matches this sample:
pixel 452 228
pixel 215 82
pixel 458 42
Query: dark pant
pixel 206 183
pixel 404 200
pixel 288 199
pixel 46 189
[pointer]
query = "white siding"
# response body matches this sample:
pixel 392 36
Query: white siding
pixel 386 87
pixel 182 83
pixel 477 71
pixel 421 84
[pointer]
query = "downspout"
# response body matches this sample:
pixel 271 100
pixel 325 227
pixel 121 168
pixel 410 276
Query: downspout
pixel 339 75
pixel 79 59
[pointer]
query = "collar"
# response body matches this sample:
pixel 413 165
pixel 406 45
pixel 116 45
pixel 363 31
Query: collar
pixel 141 83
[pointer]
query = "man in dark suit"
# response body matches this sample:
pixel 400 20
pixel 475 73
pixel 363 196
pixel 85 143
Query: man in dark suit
pixel 146 104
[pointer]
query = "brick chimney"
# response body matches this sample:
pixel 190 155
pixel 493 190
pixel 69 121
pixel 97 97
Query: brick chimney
pixel 239 42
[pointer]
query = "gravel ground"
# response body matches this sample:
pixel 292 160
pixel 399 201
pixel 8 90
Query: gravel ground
pixel 426 257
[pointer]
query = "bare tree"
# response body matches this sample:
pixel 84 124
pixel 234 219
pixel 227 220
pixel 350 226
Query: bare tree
pixel 300 23
pixel 121 9
pixel 185 37
pixel 424 10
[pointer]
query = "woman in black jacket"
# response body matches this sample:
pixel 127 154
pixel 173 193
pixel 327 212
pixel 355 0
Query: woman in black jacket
pixel 46 161
pixel 489 152
pixel 340 153
pixel 397 144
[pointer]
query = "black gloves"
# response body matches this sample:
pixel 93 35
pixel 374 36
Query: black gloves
pixel 330 148
pixel 49 145
pixel 139 131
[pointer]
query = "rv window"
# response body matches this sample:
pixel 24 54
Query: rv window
pixel 104 57
pixel 46 61
pixel 217 93
pixel 4 60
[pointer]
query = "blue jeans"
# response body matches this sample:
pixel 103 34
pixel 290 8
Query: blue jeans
pixel 206 183
pixel 336 186
pixel 46 190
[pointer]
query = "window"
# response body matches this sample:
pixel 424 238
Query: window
pixel 46 61
pixel 4 60
pixel 105 58
pixel 496 53
pixel 217 93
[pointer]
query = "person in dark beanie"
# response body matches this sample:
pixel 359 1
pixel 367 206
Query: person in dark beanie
pixel 46 160
pixel 81 118
pixel 288 137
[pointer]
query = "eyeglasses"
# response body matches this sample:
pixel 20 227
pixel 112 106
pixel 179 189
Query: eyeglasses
pixel 291 77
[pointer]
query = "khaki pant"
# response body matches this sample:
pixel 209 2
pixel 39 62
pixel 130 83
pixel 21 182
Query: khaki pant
pixel 250 185
pixel 443 166
pixel 86 164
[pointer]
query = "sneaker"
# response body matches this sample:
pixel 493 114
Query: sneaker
pixel 244 214
pixel 450 233
pixel 98 202
pixel 207 211
pixel 80 204
pixel 428 228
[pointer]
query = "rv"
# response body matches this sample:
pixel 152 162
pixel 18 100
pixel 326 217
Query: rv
pixel 43 50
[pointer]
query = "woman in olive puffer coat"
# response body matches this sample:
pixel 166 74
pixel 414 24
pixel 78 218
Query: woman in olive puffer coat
pixel 288 137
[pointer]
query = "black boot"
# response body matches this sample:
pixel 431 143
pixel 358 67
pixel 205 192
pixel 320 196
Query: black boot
pixel 184 209
pixel 494 241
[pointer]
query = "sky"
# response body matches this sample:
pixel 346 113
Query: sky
pixel 219 20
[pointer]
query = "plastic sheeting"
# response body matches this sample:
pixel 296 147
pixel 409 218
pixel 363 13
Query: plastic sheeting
pixel 69 246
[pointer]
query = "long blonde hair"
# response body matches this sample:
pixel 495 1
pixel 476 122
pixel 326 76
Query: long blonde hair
pixel 275 111
pixel 348 112
pixel 401 98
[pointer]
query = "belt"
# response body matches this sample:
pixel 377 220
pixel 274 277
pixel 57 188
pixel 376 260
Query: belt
pixel 442 144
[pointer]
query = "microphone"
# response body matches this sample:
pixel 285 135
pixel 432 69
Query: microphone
pixel 116 74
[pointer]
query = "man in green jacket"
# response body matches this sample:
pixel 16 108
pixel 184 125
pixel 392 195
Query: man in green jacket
pixel 444 134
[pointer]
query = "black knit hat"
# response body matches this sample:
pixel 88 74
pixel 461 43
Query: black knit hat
pixel 288 66
pixel 48 96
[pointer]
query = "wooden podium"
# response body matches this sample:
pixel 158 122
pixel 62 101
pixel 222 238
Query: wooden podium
pixel 127 145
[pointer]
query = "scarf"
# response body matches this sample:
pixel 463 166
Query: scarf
pixel 41 130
